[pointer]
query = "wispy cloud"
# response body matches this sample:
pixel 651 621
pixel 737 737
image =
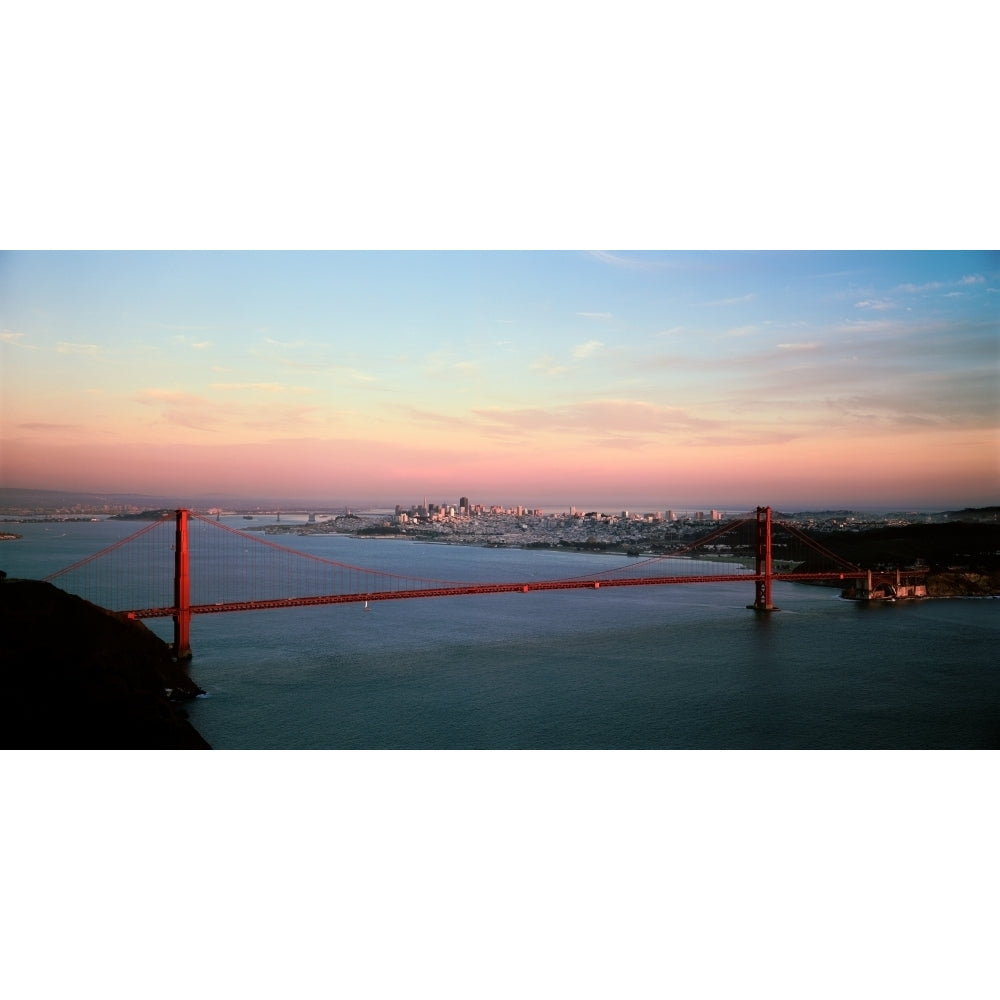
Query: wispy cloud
pixel 629 263
pixel 285 344
pixel 65 347
pixel 595 315
pixel 183 340
pixel 650 263
pixel 933 286
pixel 548 365
pixel 743 331
pixel 878 304
pixel 749 297
pixel 280 418
pixel 258 387
pixel 587 349
pixel 41 426
pixel 183 409
pixel 163 396
pixel 598 417
pixel 866 326
pixel 321 367
pixel 617 260
pixel 745 438
pixel 413 414
pixel 812 345
pixel 442 364
pixel 196 412
pixel 10 337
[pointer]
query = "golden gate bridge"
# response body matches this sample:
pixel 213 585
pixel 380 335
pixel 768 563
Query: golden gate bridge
pixel 189 564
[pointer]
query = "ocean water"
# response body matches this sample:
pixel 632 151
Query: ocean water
pixel 626 668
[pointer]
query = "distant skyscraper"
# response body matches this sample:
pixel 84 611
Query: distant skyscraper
pixel 464 502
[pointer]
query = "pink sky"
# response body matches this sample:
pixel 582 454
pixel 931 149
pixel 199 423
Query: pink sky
pixel 728 380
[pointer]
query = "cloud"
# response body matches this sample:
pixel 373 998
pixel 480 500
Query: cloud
pixel 593 315
pixel 618 260
pixel 588 349
pixel 875 304
pixel 65 347
pixel 253 386
pixel 186 341
pixel 548 365
pixel 164 396
pixel 630 263
pixel 933 286
pixel 810 346
pixel 744 331
pixel 279 418
pixel 10 337
pixel 852 326
pixel 443 364
pixel 183 409
pixel 39 426
pixel 602 416
pixel 413 414
pixel 744 438
pixel 323 368
pixel 285 344
pixel 749 297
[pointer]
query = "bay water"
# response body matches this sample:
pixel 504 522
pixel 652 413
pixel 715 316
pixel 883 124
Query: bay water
pixel 623 668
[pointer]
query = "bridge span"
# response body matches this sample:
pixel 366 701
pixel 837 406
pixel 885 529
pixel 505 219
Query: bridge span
pixel 248 573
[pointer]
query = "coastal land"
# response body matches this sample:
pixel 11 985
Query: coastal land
pixel 959 550
pixel 80 677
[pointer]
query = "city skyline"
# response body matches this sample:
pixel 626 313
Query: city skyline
pixel 809 379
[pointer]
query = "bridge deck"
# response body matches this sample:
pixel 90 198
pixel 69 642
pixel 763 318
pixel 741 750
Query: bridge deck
pixel 487 588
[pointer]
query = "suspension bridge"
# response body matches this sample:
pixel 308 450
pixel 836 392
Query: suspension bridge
pixel 189 564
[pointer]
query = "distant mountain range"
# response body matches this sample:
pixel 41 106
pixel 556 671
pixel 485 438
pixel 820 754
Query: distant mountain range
pixel 15 499
pixel 62 499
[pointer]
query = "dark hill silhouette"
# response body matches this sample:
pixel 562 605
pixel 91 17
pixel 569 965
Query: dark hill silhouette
pixel 78 676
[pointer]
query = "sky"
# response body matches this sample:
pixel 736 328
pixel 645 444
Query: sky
pixel 656 379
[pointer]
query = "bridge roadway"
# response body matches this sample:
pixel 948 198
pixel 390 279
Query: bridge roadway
pixel 490 588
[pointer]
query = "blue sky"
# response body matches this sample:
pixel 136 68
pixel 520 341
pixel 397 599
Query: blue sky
pixel 667 378
pixel 722 378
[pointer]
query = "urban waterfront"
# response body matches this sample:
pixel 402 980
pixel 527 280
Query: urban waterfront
pixel 650 667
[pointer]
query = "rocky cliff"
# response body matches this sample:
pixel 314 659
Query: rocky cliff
pixel 77 676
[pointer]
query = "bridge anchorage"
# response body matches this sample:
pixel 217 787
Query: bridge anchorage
pixel 203 566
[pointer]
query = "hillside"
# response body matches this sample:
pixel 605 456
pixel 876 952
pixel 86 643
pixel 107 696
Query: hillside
pixel 963 557
pixel 77 676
